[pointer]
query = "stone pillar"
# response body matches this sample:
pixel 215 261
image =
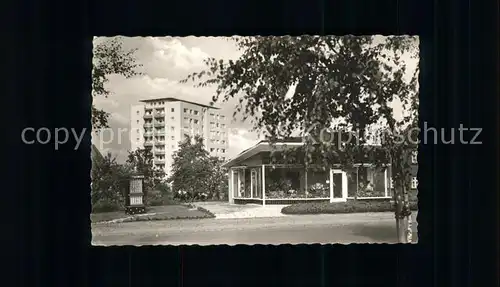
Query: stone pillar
pixel 136 196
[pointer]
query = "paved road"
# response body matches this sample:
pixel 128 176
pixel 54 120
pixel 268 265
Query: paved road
pixel 324 229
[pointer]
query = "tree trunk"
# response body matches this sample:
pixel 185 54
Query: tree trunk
pixel 408 230
pixel 401 219
pixel 401 230
pixel 357 184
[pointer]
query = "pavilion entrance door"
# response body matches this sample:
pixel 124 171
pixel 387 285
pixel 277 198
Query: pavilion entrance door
pixel 339 184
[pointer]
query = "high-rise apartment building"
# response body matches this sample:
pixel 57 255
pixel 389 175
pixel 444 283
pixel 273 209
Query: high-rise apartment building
pixel 160 124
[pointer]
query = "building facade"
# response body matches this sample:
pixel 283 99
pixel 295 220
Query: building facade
pixel 161 124
pixel 253 178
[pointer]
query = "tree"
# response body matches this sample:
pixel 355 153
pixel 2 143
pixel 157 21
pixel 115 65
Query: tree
pixel 109 183
pixel 109 58
pixel 216 182
pixel 141 161
pixel 190 168
pixel 345 83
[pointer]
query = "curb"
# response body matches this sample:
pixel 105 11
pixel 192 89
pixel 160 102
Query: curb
pixel 145 216
pixel 126 219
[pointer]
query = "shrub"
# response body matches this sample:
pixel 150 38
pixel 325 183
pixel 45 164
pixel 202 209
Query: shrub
pixel 109 183
pixel 107 205
pixel 163 188
pixel 353 206
pixel 206 211
pixel 157 198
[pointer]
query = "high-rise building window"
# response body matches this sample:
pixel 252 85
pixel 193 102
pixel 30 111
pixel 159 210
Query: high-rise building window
pixel 414 157
pixel 414 183
pixel 173 137
pixel 172 110
pixel 185 111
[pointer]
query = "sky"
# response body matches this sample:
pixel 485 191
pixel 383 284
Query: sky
pixel 165 61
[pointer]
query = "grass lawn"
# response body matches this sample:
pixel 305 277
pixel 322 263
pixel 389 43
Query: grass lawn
pixel 350 206
pixel 167 212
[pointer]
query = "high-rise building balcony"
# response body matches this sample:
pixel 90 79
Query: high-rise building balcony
pixel 159 124
pixel 148 143
pixel 159 151
pixel 148 116
pixel 148 133
pixel 159 132
pixel 159 161
pixel 148 125
pixel 159 142
pixel 159 114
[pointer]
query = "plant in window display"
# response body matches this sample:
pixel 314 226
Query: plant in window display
pixel 292 193
pixel 317 190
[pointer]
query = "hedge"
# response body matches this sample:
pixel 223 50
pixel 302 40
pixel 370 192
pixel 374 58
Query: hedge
pixel 354 206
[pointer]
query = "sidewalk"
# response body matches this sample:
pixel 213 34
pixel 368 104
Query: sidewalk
pixel 223 210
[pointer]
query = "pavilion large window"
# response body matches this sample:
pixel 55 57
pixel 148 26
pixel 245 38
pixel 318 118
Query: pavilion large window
pixel 256 184
pixel 371 182
pixel 367 181
pixel 235 187
pixel 247 182
pixel 318 183
pixel 285 182
pixel 352 181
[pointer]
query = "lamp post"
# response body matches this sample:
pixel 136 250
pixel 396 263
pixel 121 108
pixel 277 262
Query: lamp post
pixel 136 195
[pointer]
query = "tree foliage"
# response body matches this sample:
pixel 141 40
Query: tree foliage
pixel 194 171
pixel 345 83
pixel 109 58
pixel 109 182
pixel 217 181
